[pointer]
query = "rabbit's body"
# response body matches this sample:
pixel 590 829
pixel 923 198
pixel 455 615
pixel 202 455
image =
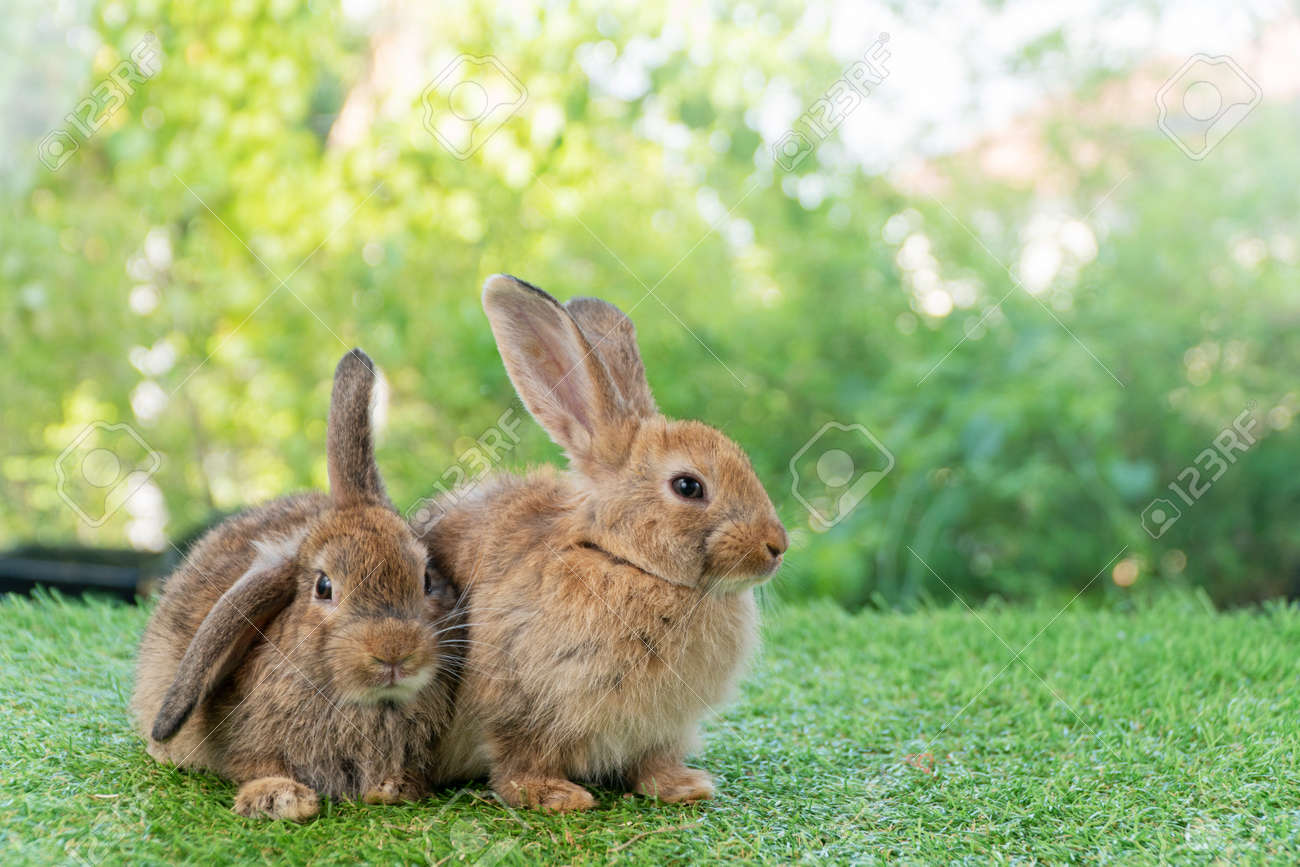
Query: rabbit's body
pixel 594 661
pixel 187 596
pixel 296 650
pixel 339 748
pixel 610 607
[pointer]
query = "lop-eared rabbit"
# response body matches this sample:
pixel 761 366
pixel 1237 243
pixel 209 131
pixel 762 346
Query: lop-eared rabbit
pixel 303 647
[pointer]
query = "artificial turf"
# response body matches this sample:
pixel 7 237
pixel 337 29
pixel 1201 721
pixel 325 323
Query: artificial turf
pixel 1163 734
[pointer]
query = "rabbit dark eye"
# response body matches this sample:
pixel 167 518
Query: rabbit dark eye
pixel 428 581
pixel 687 487
pixel 324 588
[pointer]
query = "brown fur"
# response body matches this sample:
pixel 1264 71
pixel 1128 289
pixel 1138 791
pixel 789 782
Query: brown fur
pixel 607 614
pixel 244 672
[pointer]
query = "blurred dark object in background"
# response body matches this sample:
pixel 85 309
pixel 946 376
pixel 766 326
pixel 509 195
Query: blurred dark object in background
pixel 131 576
pixel 124 574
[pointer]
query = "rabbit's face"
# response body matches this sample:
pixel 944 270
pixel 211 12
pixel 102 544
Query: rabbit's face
pixel 366 592
pixel 677 499
pixel 687 506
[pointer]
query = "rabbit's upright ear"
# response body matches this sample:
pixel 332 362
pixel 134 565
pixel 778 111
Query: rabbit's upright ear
pixel 560 378
pixel 612 334
pixel 219 644
pixel 349 440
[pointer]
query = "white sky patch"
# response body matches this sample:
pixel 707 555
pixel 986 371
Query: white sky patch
pixel 146 528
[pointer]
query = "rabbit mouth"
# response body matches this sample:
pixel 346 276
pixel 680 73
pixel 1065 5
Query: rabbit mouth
pixel 744 574
pixel 398 690
pixel 735 583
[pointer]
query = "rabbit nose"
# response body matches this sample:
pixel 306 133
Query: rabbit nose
pixel 393 660
pixel 391 665
pixel 777 540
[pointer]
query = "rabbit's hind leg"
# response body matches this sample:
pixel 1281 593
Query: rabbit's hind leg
pixel 527 783
pixel 276 798
pixel 393 790
pixel 663 776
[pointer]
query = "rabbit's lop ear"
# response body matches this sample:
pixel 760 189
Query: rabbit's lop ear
pixel 561 380
pixel 349 440
pixel 223 636
pixel 612 334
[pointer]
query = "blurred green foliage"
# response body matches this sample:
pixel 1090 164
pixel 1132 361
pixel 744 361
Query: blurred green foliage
pixel 142 283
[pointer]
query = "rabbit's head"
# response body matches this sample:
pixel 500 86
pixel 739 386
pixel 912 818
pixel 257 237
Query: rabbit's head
pixel 363 608
pixel 366 588
pixel 347 600
pixel 676 499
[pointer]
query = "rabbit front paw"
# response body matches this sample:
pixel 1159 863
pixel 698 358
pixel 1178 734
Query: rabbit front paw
pixel 276 798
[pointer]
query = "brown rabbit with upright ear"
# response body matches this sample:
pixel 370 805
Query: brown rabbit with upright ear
pixel 612 606
pixel 297 649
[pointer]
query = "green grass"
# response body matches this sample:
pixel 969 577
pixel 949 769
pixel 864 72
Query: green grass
pixel 1163 734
